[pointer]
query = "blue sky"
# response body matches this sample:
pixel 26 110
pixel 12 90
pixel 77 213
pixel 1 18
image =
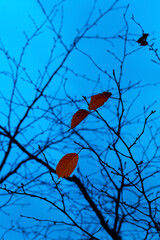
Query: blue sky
pixel 17 20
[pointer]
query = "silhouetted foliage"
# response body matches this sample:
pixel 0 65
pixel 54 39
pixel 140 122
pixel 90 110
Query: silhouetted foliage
pixel 143 40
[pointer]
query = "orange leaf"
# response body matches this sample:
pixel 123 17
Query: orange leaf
pixel 98 100
pixel 78 117
pixel 66 165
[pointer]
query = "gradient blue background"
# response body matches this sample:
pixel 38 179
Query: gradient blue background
pixel 15 20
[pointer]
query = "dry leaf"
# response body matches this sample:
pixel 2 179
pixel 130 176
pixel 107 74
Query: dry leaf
pixel 78 117
pixel 143 40
pixel 98 100
pixel 66 165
